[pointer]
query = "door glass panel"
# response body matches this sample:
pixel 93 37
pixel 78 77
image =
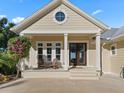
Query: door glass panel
pixel 49 50
pixel 40 60
pixel 40 50
pixel 58 57
pixel 73 54
pixel 58 50
pixel 48 57
pixel 40 54
pixel 81 54
pixel 49 54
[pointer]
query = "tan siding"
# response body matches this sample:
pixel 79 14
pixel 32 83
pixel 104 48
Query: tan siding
pixel 117 61
pixel 113 63
pixel 106 61
pixel 74 21
pixel 92 53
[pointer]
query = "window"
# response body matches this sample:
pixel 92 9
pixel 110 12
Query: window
pixel 40 51
pixel 49 44
pixel 58 44
pixel 49 52
pixel 60 16
pixel 114 49
pixel 40 54
pixel 58 51
pixel 40 44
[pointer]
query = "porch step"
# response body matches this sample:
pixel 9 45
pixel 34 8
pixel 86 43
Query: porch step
pixel 84 74
pixel 40 74
pixel 84 78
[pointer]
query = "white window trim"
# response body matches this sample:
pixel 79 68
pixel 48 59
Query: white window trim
pixel 115 45
pixel 53 50
pixel 54 18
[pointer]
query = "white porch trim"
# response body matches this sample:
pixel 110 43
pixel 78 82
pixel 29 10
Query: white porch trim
pixel 59 31
pixel 66 54
pixel 98 52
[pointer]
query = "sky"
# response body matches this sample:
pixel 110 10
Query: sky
pixel 110 12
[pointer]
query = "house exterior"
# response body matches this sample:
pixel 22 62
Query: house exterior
pixel 113 51
pixel 62 31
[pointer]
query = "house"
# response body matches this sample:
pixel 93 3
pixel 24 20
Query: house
pixel 113 51
pixel 62 31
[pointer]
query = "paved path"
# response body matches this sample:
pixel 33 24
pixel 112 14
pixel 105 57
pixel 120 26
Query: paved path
pixel 105 85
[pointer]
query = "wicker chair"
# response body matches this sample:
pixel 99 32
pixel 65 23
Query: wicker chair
pixel 56 64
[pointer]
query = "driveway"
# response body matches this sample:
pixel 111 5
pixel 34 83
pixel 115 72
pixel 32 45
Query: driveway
pixel 104 85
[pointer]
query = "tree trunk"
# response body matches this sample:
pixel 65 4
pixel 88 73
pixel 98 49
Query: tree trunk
pixel 18 74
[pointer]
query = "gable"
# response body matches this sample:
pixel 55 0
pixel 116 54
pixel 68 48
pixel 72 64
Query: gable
pixel 76 18
pixel 74 21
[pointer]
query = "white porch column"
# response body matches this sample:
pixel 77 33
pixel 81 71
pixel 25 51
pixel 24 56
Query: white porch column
pixel 98 52
pixel 66 61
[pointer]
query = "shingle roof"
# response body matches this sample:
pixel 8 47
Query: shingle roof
pixel 108 35
pixel 119 33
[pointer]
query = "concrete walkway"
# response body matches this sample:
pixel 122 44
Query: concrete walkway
pixel 104 85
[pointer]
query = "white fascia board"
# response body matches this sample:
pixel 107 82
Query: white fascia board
pixel 60 32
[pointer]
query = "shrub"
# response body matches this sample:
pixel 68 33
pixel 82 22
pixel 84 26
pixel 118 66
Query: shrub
pixel 19 47
pixel 7 64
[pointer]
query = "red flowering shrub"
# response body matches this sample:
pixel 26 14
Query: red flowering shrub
pixel 19 47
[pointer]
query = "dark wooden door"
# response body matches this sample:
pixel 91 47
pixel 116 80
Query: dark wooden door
pixel 78 54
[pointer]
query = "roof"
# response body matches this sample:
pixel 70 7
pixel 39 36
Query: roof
pixel 51 6
pixel 119 33
pixel 113 34
pixel 108 35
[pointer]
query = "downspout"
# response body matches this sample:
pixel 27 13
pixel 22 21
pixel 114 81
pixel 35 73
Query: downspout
pixel 101 58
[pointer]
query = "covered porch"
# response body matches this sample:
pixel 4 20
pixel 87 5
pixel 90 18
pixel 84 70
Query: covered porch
pixel 69 49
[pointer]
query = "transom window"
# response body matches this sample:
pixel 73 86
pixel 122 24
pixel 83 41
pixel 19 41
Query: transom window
pixel 60 16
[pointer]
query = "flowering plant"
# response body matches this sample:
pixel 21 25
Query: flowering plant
pixel 19 47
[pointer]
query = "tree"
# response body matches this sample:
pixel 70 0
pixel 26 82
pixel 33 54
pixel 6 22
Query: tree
pixel 18 48
pixel 5 33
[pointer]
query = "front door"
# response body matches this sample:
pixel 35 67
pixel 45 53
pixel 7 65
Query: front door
pixel 77 54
